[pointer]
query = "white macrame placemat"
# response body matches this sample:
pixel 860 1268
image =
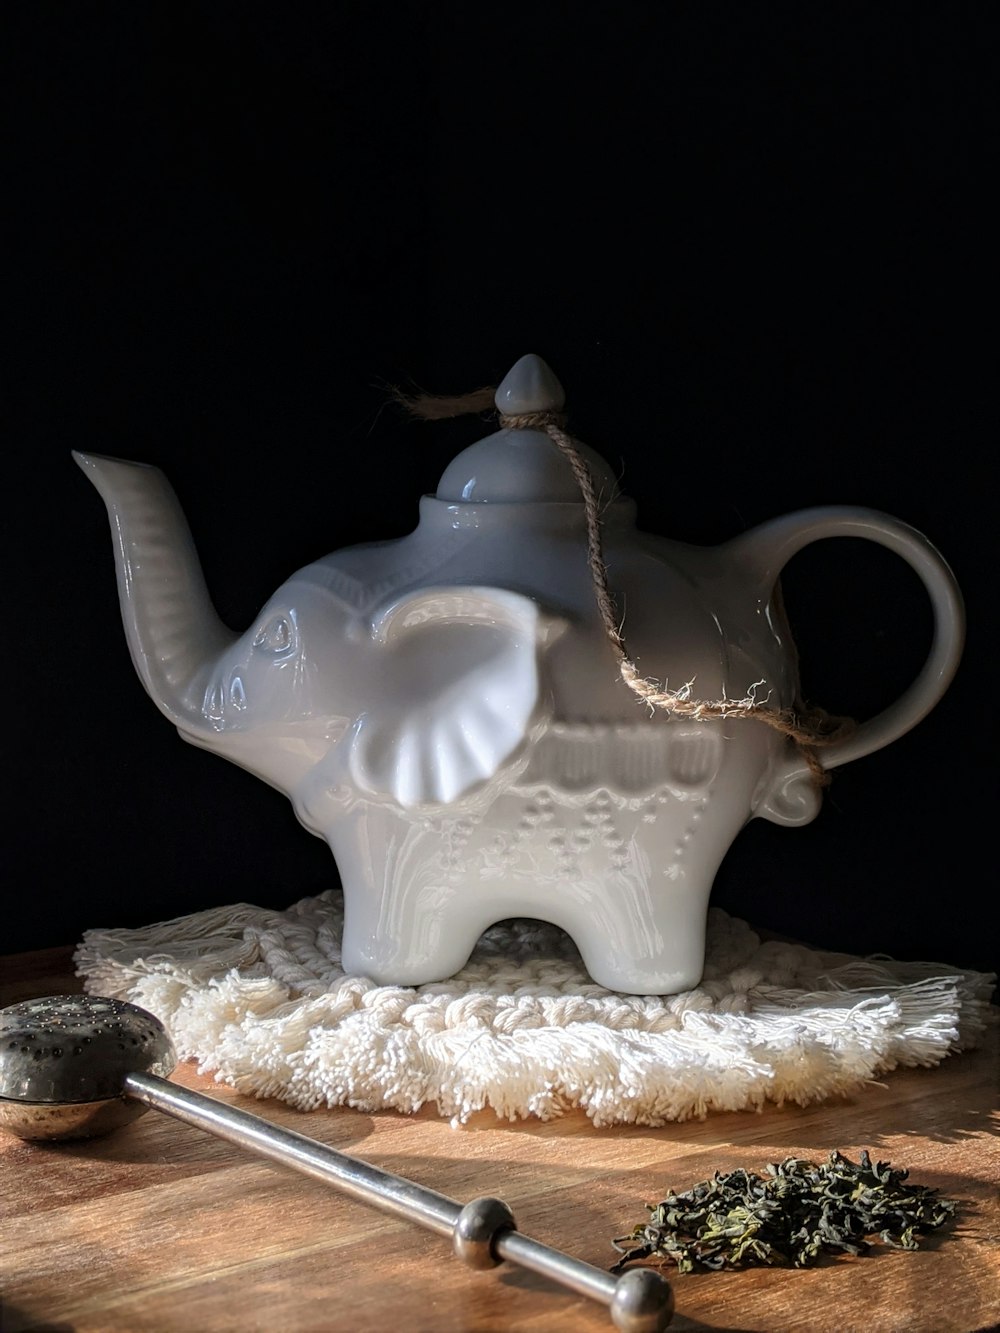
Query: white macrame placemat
pixel 260 998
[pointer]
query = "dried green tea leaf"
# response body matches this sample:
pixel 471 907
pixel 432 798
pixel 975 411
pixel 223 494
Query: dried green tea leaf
pixel 793 1215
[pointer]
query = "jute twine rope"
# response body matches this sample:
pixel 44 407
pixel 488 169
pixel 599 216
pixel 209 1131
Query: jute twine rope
pixel 810 728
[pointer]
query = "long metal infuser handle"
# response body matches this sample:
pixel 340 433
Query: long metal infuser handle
pixel 482 1232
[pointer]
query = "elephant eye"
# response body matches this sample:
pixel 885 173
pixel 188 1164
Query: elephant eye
pixel 277 636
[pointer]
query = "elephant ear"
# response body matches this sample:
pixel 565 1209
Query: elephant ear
pixel 458 690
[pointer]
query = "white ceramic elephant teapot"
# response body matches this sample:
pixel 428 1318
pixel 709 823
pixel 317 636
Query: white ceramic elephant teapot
pixel 448 712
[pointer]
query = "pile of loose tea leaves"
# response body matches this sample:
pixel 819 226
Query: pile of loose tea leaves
pixel 792 1216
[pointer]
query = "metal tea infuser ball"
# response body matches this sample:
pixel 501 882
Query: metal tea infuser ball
pixel 79 1066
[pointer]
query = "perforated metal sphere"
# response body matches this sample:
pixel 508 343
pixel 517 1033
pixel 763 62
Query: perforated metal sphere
pixel 75 1051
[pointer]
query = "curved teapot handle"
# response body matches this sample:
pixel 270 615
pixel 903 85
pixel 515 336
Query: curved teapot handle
pixel 773 544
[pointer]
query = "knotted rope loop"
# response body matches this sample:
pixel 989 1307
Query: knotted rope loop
pixel 532 420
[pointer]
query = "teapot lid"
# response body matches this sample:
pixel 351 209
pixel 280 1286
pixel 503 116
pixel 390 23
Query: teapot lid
pixel 515 465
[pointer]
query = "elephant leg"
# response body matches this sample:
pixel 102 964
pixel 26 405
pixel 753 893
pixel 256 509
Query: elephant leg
pixel 407 939
pixel 404 925
pixel 638 941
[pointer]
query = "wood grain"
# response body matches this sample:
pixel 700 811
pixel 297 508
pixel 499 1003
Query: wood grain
pixel 165 1228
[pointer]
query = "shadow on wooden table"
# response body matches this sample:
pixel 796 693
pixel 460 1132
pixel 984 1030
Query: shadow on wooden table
pixel 12 1320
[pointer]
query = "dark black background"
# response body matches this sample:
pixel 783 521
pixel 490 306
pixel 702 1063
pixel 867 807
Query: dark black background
pixel 752 240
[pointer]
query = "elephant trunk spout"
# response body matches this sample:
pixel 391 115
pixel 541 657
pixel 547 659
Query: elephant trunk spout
pixel 173 632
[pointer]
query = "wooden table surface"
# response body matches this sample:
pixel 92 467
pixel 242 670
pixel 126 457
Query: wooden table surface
pixel 162 1227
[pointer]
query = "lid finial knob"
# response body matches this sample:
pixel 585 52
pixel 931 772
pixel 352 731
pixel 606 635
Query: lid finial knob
pixel 529 386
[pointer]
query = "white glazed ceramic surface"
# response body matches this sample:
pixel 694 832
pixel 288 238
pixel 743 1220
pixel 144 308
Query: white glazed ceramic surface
pixel 446 712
